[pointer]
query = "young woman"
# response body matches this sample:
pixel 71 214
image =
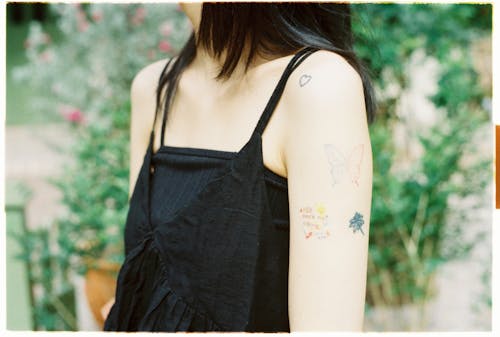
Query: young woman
pixel 251 207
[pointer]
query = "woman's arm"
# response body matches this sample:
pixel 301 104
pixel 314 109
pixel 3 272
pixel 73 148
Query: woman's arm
pixel 143 106
pixel 329 166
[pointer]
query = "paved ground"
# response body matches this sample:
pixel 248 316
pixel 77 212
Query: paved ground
pixel 32 158
pixel 34 154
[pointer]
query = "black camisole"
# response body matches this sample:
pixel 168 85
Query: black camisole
pixel 207 239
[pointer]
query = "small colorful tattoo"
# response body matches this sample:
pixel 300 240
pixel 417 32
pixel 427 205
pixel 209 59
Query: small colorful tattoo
pixel 356 223
pixel 340 165
pixel 315 222
pixel 304 79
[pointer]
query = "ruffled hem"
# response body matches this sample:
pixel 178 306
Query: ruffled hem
pixel 146 303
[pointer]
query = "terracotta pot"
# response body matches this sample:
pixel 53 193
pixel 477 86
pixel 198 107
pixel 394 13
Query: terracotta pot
pixel 100 287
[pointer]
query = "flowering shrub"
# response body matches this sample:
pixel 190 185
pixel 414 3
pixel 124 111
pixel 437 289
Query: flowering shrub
pixel 427 153
pixel 86 79
pixel 103 47
pixel 71 114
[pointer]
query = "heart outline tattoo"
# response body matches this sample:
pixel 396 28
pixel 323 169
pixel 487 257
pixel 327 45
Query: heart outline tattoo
pixel 304 79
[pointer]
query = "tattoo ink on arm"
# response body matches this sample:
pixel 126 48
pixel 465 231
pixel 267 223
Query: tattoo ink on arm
pixel 315 222
pixel 356 223
pixel 342 165
pixel 304 79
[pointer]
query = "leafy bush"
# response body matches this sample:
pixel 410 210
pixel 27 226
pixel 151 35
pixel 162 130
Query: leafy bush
pixel 85 80
pixel 415 227
pixel 54 306
pixel 102 47
pixel 95 190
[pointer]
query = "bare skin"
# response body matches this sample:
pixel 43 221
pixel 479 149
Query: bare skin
pixel 317 138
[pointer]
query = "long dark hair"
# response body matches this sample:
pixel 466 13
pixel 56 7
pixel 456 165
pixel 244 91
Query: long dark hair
pixel 272 29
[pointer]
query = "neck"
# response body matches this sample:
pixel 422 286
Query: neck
pixel 193 12
pixel 207 64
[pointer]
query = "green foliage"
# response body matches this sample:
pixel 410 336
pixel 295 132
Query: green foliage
pixel 387 34
pixel 86 78
pixel 414 225
pixel 95 189
pixel 19 110
pixel 54 307
pixel 100 48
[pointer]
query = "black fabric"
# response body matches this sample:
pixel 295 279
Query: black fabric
pixel 187 170
pixel 207 240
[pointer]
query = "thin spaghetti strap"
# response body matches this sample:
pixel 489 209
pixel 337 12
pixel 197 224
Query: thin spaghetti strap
pixel 298 58
pixel 158 107
pixel 168 101
pixel 271 104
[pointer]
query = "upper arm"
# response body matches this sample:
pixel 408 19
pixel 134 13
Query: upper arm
pixel 328 158
pixel 143 106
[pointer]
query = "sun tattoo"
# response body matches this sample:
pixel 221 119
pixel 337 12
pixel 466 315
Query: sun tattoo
pixel 315 222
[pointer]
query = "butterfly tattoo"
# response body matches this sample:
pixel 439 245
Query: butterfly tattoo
pixel 342 165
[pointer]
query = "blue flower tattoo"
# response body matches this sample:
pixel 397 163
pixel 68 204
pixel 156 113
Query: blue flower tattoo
pixel 356 223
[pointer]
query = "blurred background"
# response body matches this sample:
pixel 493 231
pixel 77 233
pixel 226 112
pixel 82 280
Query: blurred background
pixel 69 70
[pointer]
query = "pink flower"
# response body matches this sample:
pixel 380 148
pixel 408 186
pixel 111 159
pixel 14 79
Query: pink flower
pixel 46 56
pixel 165 28
pixel 83 26
pixel 80 14
pixel 140 12
pixel 139 16
pixel 72 114
pixel 75 116
pixel 81 19
pixel 97 16
pixel 164 46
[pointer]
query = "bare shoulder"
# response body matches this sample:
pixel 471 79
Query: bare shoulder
pixel 146 80
pixel 325 85
pixel 143 104
pixel 143 100
pixel 324 105
pixel 327 68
